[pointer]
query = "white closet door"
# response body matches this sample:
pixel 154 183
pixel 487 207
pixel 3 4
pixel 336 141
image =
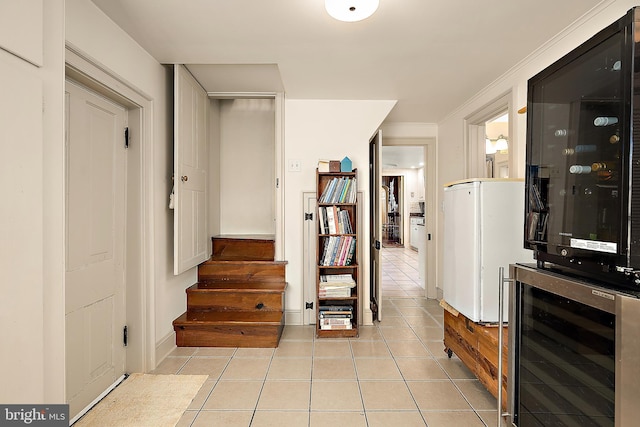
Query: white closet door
pixel 191 241
pixel 95 254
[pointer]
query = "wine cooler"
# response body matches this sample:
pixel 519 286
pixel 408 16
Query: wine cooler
pixel 582 207
pixel 573 352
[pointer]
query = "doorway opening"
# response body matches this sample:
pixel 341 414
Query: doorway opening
pixel 392 203
pixel 487 149
pixel 497 146
pixel 138 271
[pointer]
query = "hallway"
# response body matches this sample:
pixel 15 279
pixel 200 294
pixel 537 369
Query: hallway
pixel 394 374
pixel 400 273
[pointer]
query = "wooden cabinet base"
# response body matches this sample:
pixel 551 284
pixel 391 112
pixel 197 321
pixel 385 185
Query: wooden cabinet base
pixel 477 347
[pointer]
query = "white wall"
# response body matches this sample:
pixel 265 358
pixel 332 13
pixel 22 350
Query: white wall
pixel 451 130
pixel 92 33
pixel 324 129
pixel 31 221
pixel 247 175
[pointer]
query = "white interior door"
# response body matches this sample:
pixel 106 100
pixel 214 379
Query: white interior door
pixel 95 239
pixel 375 259
pixel 190 232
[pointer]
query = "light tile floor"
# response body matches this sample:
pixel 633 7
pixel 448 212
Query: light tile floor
pixel 394 374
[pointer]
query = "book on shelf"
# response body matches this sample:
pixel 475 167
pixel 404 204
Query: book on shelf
pixel 325 309
pixel 343 315
pixel 339 190
pixel 335 321
pixel 331 327
pixel 338 251
pixel 346 312
pixel 331 220
pixel 334 292
pixel 334 220
pixel 329 280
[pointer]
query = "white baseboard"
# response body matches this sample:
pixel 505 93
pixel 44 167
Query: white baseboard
pixel 367 318
pixel 165 346
pixel 293 317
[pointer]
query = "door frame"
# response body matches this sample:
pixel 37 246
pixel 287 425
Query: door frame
pixel 430 199
pixel 475 136
pixel 375 226
pixel 279 162
pixel 139 240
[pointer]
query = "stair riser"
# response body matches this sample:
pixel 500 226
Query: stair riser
pixel 225 301
pixel 229 336
pixel 241 272
pixel 243 249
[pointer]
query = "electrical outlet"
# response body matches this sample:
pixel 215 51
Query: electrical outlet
pixel 294 165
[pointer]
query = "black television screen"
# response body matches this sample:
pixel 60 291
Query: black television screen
pixel 582 172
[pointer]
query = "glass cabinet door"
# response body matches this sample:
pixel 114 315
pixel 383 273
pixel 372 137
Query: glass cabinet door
pixel 574 155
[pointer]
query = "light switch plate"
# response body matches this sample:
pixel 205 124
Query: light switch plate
pixel 294 165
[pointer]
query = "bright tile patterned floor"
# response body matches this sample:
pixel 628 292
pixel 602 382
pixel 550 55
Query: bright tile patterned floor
pixel 395 374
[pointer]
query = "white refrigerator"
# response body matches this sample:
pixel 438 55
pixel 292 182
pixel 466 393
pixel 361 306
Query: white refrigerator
pixel 483 231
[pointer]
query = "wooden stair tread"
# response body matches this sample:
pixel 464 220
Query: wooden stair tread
pixel 238 300
pixel 240 286
pixel 230 262
pixel 229 318
pixel 259 237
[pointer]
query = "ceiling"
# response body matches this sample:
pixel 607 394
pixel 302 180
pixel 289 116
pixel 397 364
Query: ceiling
pixel 429 55
pixel 402 157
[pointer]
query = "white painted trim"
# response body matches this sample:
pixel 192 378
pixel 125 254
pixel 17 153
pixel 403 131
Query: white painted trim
pixel 280 174
pixel 93 74
pixel 236 95
pixel 279 163
pixel 474 123
pixel 431 193
pixel 165 346
pixel 293 317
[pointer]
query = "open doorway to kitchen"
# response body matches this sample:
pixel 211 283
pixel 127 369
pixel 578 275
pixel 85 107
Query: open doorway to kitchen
pixel 402 204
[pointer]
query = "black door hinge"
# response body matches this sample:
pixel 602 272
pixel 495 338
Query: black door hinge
pixel 125 336
pixel 126 137
pixel 308 305
pixel 308 216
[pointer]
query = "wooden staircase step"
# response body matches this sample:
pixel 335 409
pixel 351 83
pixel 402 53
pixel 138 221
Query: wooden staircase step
pixel 244 297
pixel 243 247
pixel 255 286
pixel 229 329
pixel 242 271
pixel 239 298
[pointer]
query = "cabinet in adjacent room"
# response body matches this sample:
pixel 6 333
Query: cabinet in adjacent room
pixel 337 282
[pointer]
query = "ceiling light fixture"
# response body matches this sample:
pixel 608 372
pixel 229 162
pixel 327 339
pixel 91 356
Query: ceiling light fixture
pixel 351 10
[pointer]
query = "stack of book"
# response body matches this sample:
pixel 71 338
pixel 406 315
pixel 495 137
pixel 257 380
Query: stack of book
pixel 334 221
pixel 338 251
pixel 339 190
pixel 336 286
pixel 335 317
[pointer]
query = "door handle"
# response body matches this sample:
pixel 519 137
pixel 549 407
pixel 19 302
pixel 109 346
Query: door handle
pixel 184 178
